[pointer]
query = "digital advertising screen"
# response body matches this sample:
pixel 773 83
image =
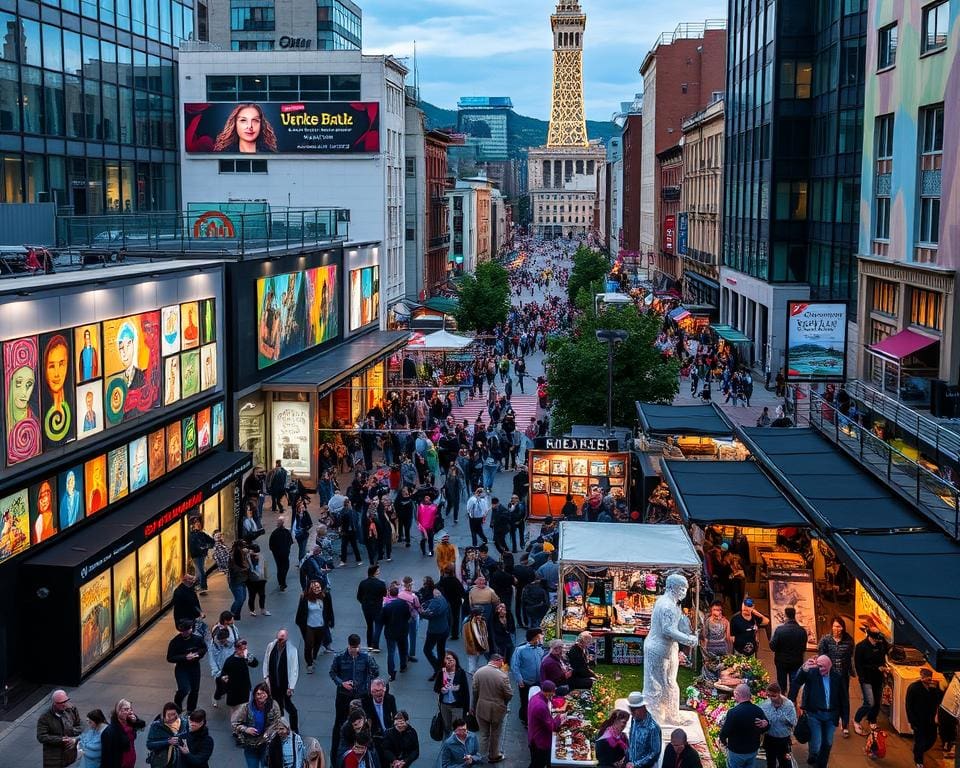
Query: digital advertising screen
pixel 364 296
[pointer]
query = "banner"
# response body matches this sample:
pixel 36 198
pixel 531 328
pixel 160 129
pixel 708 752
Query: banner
pixel 291 436
pixel 332 127
pixel 816 341
pixel 669 233
pixel 682 226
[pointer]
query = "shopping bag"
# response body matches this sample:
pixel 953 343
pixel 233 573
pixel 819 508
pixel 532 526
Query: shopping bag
pixel 801 731
pixel 472 724
pixel 436 727
pixel 876 744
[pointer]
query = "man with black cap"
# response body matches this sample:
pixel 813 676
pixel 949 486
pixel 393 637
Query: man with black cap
pixel 922 704
pixel 184 652
pixel 745 628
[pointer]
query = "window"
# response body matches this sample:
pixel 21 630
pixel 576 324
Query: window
pixel 887 47
pixel 931 127
pixel 792 200
pixel 929 220
pixel 795 79
pixel 243 166
pixel 884 297
pixel 411 168
pixel 884 137
pixel 925 308
pixel 251 45
pixel 936 27
pixel 881 229
pixel 253 19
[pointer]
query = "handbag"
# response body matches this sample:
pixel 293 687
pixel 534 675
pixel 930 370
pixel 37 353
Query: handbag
pixel 472 724
pixel 801 731
pixel 436 727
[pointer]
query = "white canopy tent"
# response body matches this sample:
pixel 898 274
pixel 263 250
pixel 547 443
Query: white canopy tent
pixel 601 544
pixel 442 341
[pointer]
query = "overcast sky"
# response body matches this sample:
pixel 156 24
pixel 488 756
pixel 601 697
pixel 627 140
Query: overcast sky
pixel 503 47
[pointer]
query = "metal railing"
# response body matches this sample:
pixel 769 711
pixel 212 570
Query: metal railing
pixel 937 499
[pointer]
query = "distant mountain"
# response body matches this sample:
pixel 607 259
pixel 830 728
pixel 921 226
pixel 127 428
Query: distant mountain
pixel 524 131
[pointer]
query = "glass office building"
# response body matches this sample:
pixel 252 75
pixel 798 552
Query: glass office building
pixel 88 102
pixel 339 25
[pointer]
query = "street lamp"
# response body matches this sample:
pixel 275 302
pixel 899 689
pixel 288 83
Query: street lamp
pixel 612 337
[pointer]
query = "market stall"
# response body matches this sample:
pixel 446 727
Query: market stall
pixel 611 575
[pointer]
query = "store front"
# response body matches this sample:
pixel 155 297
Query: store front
pixel 111 581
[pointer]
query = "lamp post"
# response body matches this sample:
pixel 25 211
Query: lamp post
pixel 612 337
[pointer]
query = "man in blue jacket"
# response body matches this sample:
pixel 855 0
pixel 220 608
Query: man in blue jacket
pixel 825 696
pixel 437 612
pixel 458 746
pixel 395 620
pixel 525 667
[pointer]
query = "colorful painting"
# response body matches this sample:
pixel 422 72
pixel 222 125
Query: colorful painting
pixel 95 481
pixel 189 438
pixel 170 326
pixel 356 299
pixel 816 341
pixel 131 353
pixel 174 446
pixel 541 465
pixel 14 524
pixel 217 419
pixel 578 466
pixel 171 546
pixel 208 367
pixel 598 467
pixel 118 473
pixel 559 466
pixel 86 340
pixel 558 486
pixel 190 330
pixel 71 504
pixel 57 404
pixel 137 453
pixel 616 468
pixel 20 359
pixel 203 430
pixel 148 578
pixel 95 622
pixel 43 510
pixel 171 379
pixel 89 409
pixel 281 318
pixel 578 486
pixel 364 296
pixel 322 304
pixel 208 321
pixel 539 484
pixel 190 373
pixel 157 454
pixel 124 598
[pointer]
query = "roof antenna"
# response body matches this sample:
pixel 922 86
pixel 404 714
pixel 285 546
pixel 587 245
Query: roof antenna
pixel 416 72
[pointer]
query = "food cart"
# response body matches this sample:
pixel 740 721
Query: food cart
pixel 611 575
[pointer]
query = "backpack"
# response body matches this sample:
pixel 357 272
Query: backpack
pixel 876 744
pixel 278 483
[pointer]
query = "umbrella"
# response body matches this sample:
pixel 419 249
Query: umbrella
pixel 443 340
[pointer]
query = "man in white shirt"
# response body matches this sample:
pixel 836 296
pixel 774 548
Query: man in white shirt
pixel 477 508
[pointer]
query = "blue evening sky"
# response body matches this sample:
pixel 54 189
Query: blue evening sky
pixel 503 47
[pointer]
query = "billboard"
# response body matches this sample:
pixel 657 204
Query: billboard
pixel 332 127
pixel 682 228
pixel 816 341
pixel 669 233
pixel 364 296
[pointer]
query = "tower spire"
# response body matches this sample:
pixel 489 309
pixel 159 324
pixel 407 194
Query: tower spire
pixel 568 127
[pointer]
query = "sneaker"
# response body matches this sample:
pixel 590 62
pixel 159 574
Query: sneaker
pixel 374 650
pixel 267 613
pixel 253 613
pixel 216 702
pixel 846 733
pixel 341 564
pixel 393 677
pixel 309 669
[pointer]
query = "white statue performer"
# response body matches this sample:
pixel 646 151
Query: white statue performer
pixel 661 653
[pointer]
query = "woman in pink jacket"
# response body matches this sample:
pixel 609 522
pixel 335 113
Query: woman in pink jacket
pixel 426 522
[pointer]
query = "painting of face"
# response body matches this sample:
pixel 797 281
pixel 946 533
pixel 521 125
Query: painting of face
pixel 95 474
pixel 208 367
pixel 203 430
pixel 57 392
pixel 70 484
pixel 158 454
pixel 20 358
pixel 132 363
pixel 86 340
pixel 118 473
pixel 190 373
pixel 189 438
pixel 174 449
pixel 171 380
pixel 170 330
pixel 137 451
pixel 43 510
pixel 89 409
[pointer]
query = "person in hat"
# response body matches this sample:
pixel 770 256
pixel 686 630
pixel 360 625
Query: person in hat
pixel 923 704
pixel 644 738
pixel 869 659
pixel 184 652
pixel 541 725
pixel 491 694
pixel 745 628
pixel 445 552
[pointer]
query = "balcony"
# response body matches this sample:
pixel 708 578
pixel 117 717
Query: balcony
pixel 440 241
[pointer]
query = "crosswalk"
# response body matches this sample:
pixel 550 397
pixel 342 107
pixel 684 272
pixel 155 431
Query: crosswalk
pixel 524 406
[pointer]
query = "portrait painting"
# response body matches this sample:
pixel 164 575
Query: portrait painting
pixel 208 367
pixel 137 454
pixel 171 379
pixel 132 361
pixel 174 446
pixel 95 480
pixel 118 473
pixel 20 362
pixel 208 321
pixel 189 325
pixel 44 522
pixel 157 452
pixel 125 598
pixel 57 405
pixel 14 524
pixel 89 409
pixel 189 438
pixel 578 466
pixel 86 344
pixel 170 330
pixel 203 430
pixel 216 417
pixel 70 505
pixel 171 548
pixel 190 373
pixel 148 578
pixel 616 468
pixel 95 621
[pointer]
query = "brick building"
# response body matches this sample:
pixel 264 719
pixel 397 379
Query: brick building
pixel 438 224
pixel 632 138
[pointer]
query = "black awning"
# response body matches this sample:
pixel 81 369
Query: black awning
pixel 824 482
pixel 694 420
pixel 914 576
pixel 705 281
pixel 325 371
pixel 728 493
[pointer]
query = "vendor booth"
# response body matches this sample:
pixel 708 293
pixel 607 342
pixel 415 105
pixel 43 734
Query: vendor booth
pixel 689 431
pixel 611 575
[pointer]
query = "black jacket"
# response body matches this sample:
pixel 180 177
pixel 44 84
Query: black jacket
pixel 114 742
pixel 922 704
pixel 579 664
pixel 789 644
pixel 180 646
pixel 395 617
pixel 280 542
pixel 400 746
pixel 200 744
pixel 452 588
pixel 301 617
pixel 461 697
pixel 738 733
pixel 370 593
pixel 237 671
pixel 868 658
pixel 814 698
pixel 389 712
pixel 199 542
pixel 186 604
pixel 689 758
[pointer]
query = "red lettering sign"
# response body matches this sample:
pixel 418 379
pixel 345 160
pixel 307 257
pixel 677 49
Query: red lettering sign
pixel 669 232
pixel 174 513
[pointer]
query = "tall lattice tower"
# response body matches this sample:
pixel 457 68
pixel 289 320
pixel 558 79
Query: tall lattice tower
pixel 568 127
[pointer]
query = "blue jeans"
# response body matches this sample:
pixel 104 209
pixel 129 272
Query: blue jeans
pixel 393 646
pixel 200 564
pixel 872 694
pixel 412 636
pixel 302 547
pixel 253 756
pixel 736 760
pixel 822 727
pixel 489 473
pixel 239 592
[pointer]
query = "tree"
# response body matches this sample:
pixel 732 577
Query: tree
pixel 484 298
pixel 576 368
pixel 588 267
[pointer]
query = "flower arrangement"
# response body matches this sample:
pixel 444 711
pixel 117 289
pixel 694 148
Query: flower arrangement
pixel 749 669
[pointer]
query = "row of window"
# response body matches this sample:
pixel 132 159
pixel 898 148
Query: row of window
pixel 283 87
pixel 934 31
pixel 925 306
pixel 243 166
pixel 260 18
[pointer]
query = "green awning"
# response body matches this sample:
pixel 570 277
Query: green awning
pixel 730 334
pixel 442 304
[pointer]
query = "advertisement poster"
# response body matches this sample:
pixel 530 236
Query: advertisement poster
pixel 285 326
pixel 203 430
pixel 816 341
pixel 70 505
pixel 189 328
pixel 157 450
pixel 14 524
pixel 22 406
pixel 170 327
pixel 190 373
pixel 148 578
pixel 137 453
pixel 118 473
pixel 58 408
pixel 331 127
pixel 210 514
pixel 291 436
pixel 793 589
pixel 174 446
pixel 189 438
pixel 124 598
pixel 87 345
pixel 171 547
pixel 364 296
pixel 90 409
pixel 208 366
pixel 43 510
pixel 217 418
pixel 869 615
pixel 95 479
pixel 131 363
pixel 95 621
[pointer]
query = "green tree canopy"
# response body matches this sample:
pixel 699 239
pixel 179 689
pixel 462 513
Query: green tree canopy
pixel 588 267
pixel 484 298
pixel 577 368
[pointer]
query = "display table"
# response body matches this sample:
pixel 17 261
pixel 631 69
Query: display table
pixel 783 561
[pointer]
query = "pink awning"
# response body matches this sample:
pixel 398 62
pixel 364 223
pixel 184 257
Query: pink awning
pixel 903 344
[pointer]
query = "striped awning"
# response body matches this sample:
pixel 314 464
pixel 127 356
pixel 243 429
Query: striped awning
pixel 678 314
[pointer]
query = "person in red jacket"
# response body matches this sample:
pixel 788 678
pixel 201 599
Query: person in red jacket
pixel 541 725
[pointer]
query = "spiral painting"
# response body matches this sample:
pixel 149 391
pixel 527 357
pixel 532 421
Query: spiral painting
pixel 22 404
